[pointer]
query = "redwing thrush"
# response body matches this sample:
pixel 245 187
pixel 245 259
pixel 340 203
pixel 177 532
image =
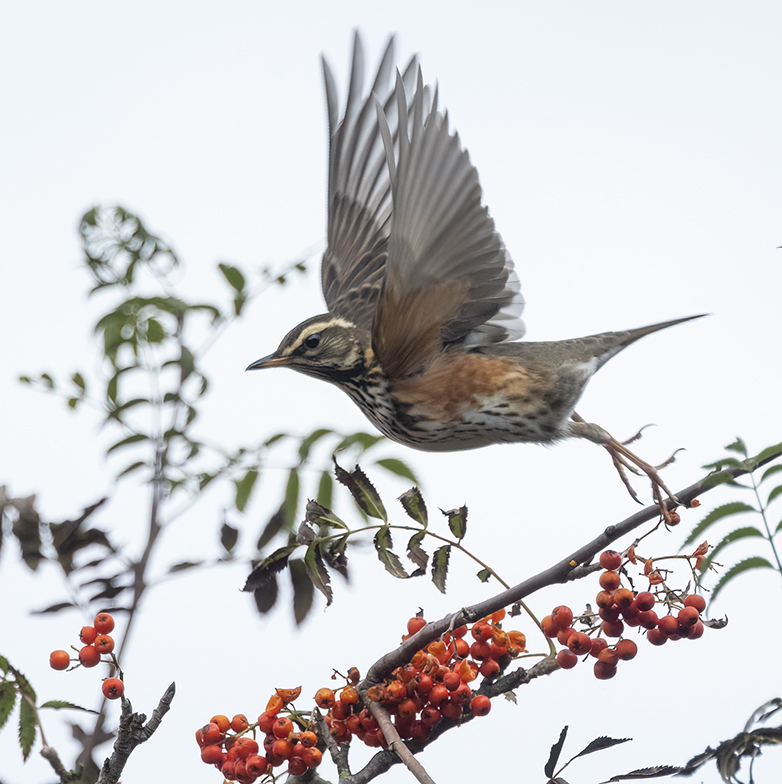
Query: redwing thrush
pixel 422 295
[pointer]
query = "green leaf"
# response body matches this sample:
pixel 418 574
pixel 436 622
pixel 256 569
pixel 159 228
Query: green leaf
pixel 778 528
pixel 484 575
pixel 415 552
pixel 440 566
pixel 317 572
pixel 303 590
pixel 268 567
pixel 7 702
pixel 457 521
pixel 272 528
pixel 598 744
pixel 731 508
pixel 234 277
pixel 724 462
pixel 156 332
pixel 47 381
pixel 228 537
pixel 244 487
pixel 325 495
pixel 363 440
pixel 307 443
pixel 387 556
pixel 413 503
pixel 775 493
pixel 775 469
pixel 553 756
pixel 27 727
pixel 78 379
pixel 738 446
pixel 734 536
pixel 754 562
pixel 5 665
pixel 134 439
pixel 60 704
pixel 291 503
pixel 398 468
pixel 319 515
pixel 132 467
pixel 362 491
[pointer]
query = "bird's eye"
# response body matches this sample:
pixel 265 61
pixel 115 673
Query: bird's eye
pixel 312 341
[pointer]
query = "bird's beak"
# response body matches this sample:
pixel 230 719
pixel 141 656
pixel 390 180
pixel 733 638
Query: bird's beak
pixel 266 362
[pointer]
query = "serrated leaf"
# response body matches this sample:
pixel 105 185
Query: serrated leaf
pixel 648 773
pixel 27 727
pixel 317 572
pixel 272 528
pixel 307 443
pixel 775 449
pixel 398 468
pixel 598 744
pixel 362 491
pixel 325 495
pixel 291 503
pixel 731 508
pixel 319 515
pixel 386 555
pixel 440 560
pixel 265 596
pixel 775 469
pixel 134 439
pixel 244 487
pixel 457 521
pixel 413 503
pixel 415 552
pixel 234 276
pixel 363 440
pixel 754 562
pixel 303 590
pixel 738 446
pixel 268 567
pixel 60 704
pixel 7 701
pixel 775 493
pixel 305 534
pixel 553 756
pixel 228 537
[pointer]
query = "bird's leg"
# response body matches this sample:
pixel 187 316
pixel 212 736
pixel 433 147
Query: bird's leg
pixel 623 459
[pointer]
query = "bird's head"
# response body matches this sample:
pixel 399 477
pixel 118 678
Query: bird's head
pixel 326 347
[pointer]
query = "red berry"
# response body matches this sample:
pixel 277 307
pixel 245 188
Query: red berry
pixel 415 624
pixel 489 668
pixel 623 598
pixel 482 632
pixel 450 710
pixel 626 650
pixel 695 600
pixel 688 616
pixel 104 643
pixel 282 727
pixel 604 671
pixel 561 617
pixel 613 628
pixel 88 634
pixel 566 659
pixel 211 754
pixel 598 644
pixel 656 637
pixel 604 599
pixel 59 660
pixel 239 723
pixel 695 631
pixel 480 705
pixel 610 559
pixel 256 766
pixel 113 688
pixel 668 625
pixel 103 623
pixel 265 722
pixel 648 619
pixel 312 757
pixel 297 766
pixel 89 656
pixel 608 656
pixel 210 733
pixel 645 601
pixel 430 715
pixel 580 643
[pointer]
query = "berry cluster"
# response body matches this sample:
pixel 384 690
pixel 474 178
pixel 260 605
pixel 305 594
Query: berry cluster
pixel 619 607
pixel 226 743
pixel 96 642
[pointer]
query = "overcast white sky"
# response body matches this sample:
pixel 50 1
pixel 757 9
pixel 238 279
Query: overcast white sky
pixel 630 154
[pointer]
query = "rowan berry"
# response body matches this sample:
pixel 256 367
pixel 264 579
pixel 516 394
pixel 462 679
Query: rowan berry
pixel 312 757
pixel 480 650
pixel 341 710
pixel 656 637
pixel 480 705
pixel 113 688
pixel 211 754
pixel 481 631
pixel 423 684
pixel 566 659
pixel 462 647
pixel 645 601
pixel 349 695
pixel 610 559
pixel 282 727
pixel 89 656
pixel 228 769
pixel 623 598
pixel 612 628
pixel 244 747
pixel 407 709
pixel 103 623
pixel 256 766
pixel 297 766
pixel 438 693
pixel 695 631
pixel 561 617
pixel 282 748
pixel 210 733
pixel 604 671
pixel 598 644
pixel 59 660
pixel 396 691
pixel 626 650
pixel 324 698
pixel 695 600
pixel 340 731
pixel 489 668
pixel 239 723
pixel 104 643
pixel 562 637
pixel 631 615
pixel 415 624
pixel 265 722
pixel 688 616
pixel 223 722
pixel 608 656
pixel 450 710
pixel 462 695
pixel 451 680
pixel 604 599
pixel 609 613
pixel 419 731
pixel 430 715
pixel 460 631
pixel 668 625
pixel 648 619
pixel 610 581
pixel 580 643
pixel 88 634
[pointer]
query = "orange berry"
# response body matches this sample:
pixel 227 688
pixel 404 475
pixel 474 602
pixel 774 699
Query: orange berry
pixel 438 693
pixel 612 628
pixel 396 691
pixel 88 634
pixel 695 600
pixel 566 659
pixel 480 705
pixel 265 722
pixel 113 688
pixel 561 617
pixel 668 625
pixel 450 710
pixel 610 581
pixel 239 723
pixel 580 643
pixel 244 747
pixel 423 684
pixel 223 722
pixel 349 695
pixel 89 656
pixel 480 650
pixel 407 709
pixel 462 695
pixel 256 766
pixel 460 631
pixel 610 559
pixel 324 698
pixel 312 757
pixel 626 650
pixel 211 754
pixel 604 599
pixel 608 656
pixel 451 680
pixel 430 715
pixel 210 733
pixel 103 623
pixel 415 624
pixel 482 632
pixel 562 637
pixel 623 598
pixel 489 668
pixel 308 739
pixel 688 616
pixel 59 660
pixel 104 643
pixel 282 727
pixel 282 748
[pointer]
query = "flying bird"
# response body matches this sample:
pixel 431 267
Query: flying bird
pixel 424 305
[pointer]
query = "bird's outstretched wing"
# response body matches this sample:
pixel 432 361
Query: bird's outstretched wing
pixel 448 277
pixel 359 187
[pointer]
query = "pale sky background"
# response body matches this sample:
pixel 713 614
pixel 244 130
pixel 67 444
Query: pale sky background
pixel 630 154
